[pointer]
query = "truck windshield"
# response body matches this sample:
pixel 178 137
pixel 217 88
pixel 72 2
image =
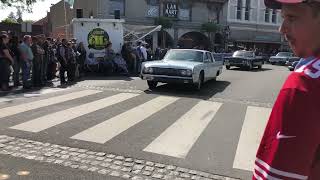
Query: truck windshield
pixel 284 54
pixel 184 55
pixel 243 54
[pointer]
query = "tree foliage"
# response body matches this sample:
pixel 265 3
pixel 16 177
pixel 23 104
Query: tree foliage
pixel 209 27
pixel 9 21
pixel 26 4
pixel 165 22
pixel 19 15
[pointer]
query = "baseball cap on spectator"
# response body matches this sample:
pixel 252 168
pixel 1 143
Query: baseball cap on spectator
pixel 276 4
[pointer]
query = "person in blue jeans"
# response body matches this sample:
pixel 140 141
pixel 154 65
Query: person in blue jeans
pixel 26 57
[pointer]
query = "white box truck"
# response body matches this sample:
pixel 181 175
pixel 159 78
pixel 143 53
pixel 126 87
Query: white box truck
pixel 96 33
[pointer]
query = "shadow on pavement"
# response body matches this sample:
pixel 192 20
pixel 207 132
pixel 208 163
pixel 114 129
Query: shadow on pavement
pixel 208 90
pixel 253 70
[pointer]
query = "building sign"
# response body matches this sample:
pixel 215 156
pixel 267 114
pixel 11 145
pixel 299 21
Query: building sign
pixel 171 10
pixel 98 38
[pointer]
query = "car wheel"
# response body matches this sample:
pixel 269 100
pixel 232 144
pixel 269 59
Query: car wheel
pixel 198 86
pixel 250 67
pixel 228 67
pixel 152 84
pixel 259 66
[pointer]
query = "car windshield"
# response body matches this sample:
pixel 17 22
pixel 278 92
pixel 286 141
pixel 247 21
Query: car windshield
pixel 284 54
pixel 243 54
pixel 184 55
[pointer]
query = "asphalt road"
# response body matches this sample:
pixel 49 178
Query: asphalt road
pixel 198 132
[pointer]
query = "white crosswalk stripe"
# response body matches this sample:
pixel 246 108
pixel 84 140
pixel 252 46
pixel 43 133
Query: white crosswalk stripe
pixel 179 138
pixel 106 130
pixel 9 111
pixel 252 130
pixel 32 94
pixel 54 119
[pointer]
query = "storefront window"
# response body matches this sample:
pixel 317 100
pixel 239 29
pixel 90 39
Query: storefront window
pixel 117 5
pixel 239 10
pixel 247 12
pixel 267 15
pixel 274 16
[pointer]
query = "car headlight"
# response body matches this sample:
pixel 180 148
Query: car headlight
pixel 187 72
pixel 148 70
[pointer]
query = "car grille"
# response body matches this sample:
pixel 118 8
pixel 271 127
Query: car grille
pixel 236 61
pixel 166 71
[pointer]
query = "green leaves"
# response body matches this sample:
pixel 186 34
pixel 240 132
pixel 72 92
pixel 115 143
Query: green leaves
pixel 24 4
pixel 210 27
pixel 165 22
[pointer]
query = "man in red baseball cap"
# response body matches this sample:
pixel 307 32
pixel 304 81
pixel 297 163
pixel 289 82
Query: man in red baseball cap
pixel 290 147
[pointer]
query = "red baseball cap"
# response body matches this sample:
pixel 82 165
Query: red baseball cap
pixel 276 4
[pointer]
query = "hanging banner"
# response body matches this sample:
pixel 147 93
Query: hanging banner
pixel 171 9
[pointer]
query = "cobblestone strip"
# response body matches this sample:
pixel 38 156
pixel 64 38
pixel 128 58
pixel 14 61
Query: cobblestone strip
pixel 108 89
pixel 98 162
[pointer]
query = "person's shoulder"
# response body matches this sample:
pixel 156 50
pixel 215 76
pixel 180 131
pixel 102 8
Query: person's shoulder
pixel 306 77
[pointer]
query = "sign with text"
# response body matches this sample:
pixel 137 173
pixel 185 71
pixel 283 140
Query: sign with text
pixel 171 10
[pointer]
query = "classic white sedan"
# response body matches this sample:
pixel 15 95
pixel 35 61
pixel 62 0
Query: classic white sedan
pixel 187 66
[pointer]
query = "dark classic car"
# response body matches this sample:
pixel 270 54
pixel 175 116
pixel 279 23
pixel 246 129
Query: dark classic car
pixel 283 58
pixel 293 65
pixel 244 59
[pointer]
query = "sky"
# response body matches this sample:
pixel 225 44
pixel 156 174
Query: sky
pixel 39 11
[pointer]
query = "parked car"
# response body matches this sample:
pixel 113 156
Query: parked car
pixel 293 65
pixel 187 66
pixel 244 59
pixel 221 56
pixel 282 58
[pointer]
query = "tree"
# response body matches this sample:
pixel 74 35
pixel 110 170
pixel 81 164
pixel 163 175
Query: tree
pixel 19 15
pixel 26 4
pixel 166 23
pixel 210 28
pixel 11 19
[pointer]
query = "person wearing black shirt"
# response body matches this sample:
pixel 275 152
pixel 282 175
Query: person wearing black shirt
pixel 14 43
pixel 38 53
pixel 5 61
pixel 82 58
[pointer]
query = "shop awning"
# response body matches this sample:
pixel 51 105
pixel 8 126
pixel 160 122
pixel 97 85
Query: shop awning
pixel 133 33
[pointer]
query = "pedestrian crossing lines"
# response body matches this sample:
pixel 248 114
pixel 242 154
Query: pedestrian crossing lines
pixel 251 134
pixel 12 110
pixel 38 93
pixel 54 119
pixel 175 140
pixel 179 138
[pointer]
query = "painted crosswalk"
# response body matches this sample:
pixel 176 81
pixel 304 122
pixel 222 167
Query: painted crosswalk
pixel 177 139
pixel 9 111
pixel 54 119
pixel 251 134
pixel 105 131
pixel 38 93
